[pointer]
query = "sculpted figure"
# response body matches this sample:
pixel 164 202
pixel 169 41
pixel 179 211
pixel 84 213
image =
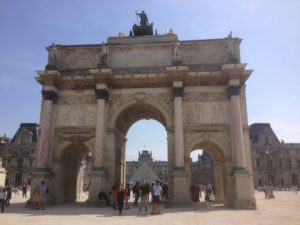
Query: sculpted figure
pixel 103 50
pixel 176 50
pixel 52 54
pixel 143 18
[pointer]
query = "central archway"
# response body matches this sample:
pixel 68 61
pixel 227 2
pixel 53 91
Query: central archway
pixel 126 118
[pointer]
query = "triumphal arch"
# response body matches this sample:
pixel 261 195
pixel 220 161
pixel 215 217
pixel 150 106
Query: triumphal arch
pixel 92 94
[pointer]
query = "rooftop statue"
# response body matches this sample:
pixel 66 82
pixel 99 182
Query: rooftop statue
pixel 144 28
pixel 143 18
pixel 52 57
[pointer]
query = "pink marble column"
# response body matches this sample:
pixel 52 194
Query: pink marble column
pixel 102 96
pixel 45 129
pixel 178 127
pixel 237 127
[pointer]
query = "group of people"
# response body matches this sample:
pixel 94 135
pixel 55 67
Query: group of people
pixel 141 194
pixel 6 194
pixel 268 190
pixel 195 191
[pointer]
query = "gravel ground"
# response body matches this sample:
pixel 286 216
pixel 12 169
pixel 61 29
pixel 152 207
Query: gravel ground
pixel 283 210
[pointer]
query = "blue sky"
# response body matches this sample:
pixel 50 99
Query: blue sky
pixel 271 46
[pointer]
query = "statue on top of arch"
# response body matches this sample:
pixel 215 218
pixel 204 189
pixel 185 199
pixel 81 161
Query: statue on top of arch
pixel 144 28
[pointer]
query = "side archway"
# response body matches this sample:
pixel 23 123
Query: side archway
pixel 71 175
pixel 218 164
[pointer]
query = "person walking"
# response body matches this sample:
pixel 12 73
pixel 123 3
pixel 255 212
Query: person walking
pixel 43 193
pixel 195 195
pixel 24 191
pixel 120 196
pixel 136 193
pixel 2 198
pixel 128 192
pixel 157 189
pixel 144 196
pixel 8 196
pixel 36 198
pixel 209 196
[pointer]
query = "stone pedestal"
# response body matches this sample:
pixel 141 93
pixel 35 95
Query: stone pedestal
pixel 181 196
pixel 47 175
pixel 99 183
pixel 242 183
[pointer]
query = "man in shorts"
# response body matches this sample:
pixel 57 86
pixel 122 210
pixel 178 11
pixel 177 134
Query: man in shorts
pixel 156 192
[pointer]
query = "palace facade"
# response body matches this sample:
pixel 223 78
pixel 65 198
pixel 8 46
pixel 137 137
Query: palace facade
pixel 275 163
pixel 19 155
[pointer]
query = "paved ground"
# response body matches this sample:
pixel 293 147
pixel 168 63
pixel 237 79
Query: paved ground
pixel 284 210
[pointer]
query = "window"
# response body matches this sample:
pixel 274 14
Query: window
pixel 298 163
pixel 257 163
pixel 267 142
pixel 20 163
pixel 280 163
pixel 289 163
pixel 269 163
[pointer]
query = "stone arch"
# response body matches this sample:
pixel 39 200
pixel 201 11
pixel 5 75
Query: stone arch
pixel 209 142
pixel 126 117
pixel 166 115
pixel 70 167
pixel 211 145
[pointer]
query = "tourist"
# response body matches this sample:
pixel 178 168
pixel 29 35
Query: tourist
pixel 144 195
pixel 43 193
pixel 120 196
pixel 128 191
pixel 24 191
pixel 164 192
pixel 36 197
pixel 136 192
pixel 209 196
pixel 114 189
pixel 8 196
pixel 195 195
pixel 2 198
pixel 157 189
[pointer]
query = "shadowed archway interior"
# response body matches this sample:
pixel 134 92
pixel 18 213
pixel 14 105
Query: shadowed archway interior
pixel 71 163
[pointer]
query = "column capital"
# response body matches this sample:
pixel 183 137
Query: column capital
pixel 233 90
pixel 49 95
pixel 177 91
pixel 102 94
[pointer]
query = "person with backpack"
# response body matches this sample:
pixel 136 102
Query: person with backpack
pixel 144 196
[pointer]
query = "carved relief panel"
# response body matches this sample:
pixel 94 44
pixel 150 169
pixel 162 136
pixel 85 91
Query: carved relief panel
pixel 76 116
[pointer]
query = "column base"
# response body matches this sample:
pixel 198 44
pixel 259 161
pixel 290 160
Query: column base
pixel 43 174
pixel 243 190
pixel 180 187
pixel 98 183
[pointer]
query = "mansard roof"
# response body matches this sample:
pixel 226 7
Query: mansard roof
pixel 256 129
pixel 31 127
